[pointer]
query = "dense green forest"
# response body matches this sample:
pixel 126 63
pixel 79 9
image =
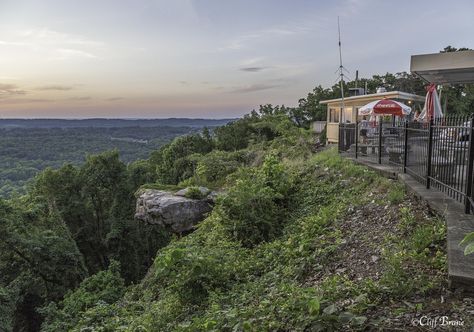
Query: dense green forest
pixel 274 254
pixel 25 150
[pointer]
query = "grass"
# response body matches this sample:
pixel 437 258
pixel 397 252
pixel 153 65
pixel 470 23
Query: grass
pixel 159 186
pixel 206 281
pixel 397 193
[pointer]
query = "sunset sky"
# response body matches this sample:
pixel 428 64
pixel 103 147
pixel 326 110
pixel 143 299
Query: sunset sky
pixel 204 58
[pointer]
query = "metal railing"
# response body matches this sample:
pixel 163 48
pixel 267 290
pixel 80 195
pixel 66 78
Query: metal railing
pixel 438 154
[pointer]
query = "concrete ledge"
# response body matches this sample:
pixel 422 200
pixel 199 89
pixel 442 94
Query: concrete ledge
pixel 460 267
pixel 384 170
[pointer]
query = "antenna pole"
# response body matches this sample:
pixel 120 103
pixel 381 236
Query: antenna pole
pixel 341 74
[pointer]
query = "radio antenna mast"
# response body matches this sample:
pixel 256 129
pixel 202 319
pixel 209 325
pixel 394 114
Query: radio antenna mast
pixel 341 75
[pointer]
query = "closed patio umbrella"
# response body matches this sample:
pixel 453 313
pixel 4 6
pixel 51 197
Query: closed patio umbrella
pixel 432 108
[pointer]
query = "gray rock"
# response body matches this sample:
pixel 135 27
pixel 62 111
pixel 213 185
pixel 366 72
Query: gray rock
pixel 204 191
pixel 212 196
pixel 177 213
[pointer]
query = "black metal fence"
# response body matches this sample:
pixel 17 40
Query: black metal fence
pixel 439 154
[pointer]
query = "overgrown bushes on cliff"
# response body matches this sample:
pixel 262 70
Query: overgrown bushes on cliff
pixel 265 259
pixel 105 287
pixel 258 262
pixel 86 213
pixel 255 207
pixel 73 222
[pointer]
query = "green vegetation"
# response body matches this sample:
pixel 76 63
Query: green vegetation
pixel 266 258
pixel 27 151
pixel 64 141
pixel 248 269
pixel 105 287
pixel 195 193
pixel 468 241
pixel 297 241
pixel 72 223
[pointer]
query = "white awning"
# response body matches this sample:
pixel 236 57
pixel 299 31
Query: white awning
pixel 444 68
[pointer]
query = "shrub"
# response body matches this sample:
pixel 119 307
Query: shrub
pixel 234 135
pixel 254 209
pixel 191 272
pixel 176 161
pixel 213 168
pixel 106 286
pixel 396 193
pixel 194 193
pixel 323 135
pixel 468 241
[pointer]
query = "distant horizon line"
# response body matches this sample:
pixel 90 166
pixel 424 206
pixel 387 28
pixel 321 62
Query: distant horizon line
pixel 131 119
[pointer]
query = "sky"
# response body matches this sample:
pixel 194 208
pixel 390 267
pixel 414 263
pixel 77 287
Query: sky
pixel 204 58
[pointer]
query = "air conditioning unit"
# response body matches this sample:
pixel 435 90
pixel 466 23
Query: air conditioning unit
pixel 356 91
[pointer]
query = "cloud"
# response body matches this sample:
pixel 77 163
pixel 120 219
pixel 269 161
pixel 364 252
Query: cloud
pixel 252 69
pixel 241 42
pixel 80 98
pixel 25 101
pixel 54 44
pixel 255 87
pixel 114 98
pixel 66 53
pixel 10 90
pixel 48 36
pixel 54 88
pixel 250 62
pixel 10 43
pixel 9 78
pixel 352 7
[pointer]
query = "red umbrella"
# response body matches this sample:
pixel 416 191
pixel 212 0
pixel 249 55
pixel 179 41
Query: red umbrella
pixel 432 109
pixel 385 107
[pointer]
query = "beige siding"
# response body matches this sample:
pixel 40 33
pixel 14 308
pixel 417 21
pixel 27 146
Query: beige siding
pixel 332 132
pixel 359 101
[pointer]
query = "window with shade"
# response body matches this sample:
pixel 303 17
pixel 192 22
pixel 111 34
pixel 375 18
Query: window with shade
pixel 348 114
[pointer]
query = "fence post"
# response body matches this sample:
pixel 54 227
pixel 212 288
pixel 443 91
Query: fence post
pixel 357 137
pixel 380 139
pixel 405 151
pixel 470 165
pixel 430 153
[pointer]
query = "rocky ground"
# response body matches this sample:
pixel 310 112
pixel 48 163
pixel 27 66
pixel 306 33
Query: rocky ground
pixel 360 257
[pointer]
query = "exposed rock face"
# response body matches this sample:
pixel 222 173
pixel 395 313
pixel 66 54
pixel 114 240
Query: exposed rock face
pixel 183 192
pixel 177 213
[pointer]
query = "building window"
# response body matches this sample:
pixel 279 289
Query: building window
pixel 334 114
pixel 348 114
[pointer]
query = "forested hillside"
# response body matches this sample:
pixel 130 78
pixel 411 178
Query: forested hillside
pixel 289 246
pixel 299 239
pixel 25 150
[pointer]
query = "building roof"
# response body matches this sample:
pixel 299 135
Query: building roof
pixel 444 68
pixel 374 96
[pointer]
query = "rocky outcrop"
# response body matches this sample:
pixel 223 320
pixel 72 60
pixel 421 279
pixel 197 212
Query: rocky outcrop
pixel 175 212
pixel 184 192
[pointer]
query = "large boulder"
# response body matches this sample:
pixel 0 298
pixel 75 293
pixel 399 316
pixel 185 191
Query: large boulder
pixel 184 192
pixel 177 213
